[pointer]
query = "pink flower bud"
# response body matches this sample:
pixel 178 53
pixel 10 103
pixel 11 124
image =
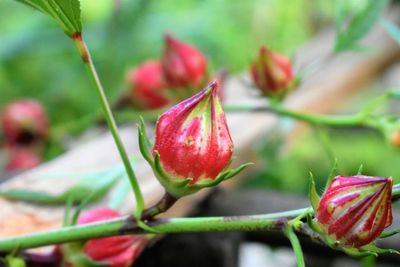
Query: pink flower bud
pixel 272 73
pixel 193 141
pixel 147 86
pixel 24 122
pixel 355 210
pixel 118 251
pixel 21 159
pixel 183 65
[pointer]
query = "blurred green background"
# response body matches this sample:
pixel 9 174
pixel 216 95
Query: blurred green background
pixel 38 61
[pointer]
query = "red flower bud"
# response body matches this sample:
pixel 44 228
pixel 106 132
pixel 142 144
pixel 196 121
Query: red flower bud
pixel 118 251
pixel 272 73
pixel 183 65
pixel 24 122
pixel 193 142
pixel 148 87
pixel 355 210
pixel 22 159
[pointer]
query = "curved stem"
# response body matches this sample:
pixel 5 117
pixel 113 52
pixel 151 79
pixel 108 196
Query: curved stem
pixel 328 120
pixel 294 240
pixel 87 60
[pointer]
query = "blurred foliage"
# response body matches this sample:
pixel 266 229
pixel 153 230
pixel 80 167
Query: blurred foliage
pixel 290 171
pixel 354 21
pixel 392 29
pixel 37 60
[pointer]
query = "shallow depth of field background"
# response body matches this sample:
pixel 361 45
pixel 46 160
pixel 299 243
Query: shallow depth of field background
pixel 38 61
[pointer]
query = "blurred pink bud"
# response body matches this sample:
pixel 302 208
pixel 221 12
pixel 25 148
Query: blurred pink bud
pixel 183 65
pixel 147 86
pixel 118 251
pixel 24 122
pixel 355 210
pixel 193 140
pixel 21 159
pixel 272 73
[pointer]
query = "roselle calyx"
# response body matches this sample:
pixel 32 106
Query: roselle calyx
pixel 355 210
pixel 272 74
pixel 114 251
pixel 193 147
pixel 24 122
pixel 147 86
pixel 183 65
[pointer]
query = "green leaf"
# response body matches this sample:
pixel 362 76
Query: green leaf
pixel 30 196
pixel 96 185
pixel 67 13
pixel 359 25
pixel 392 29
pixel 67 210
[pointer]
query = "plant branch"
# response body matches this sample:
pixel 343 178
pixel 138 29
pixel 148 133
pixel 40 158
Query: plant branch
pixel 356 120
pixel 128 225
pixel 87 60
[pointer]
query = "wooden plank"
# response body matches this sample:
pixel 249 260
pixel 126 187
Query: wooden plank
pixel 322 92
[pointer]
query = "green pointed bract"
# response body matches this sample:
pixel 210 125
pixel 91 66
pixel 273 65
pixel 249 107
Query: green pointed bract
pixel 389 233
pixel 373 248
pixel 332 173
pixel 179 188
pixel 314 225
pixel 360 169
pixel 313 195
pixel 234 172
pixel 144 142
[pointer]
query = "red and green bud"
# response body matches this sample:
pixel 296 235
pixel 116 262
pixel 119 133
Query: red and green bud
pixel 193 146
pixel 183 64
pixel 148 89
pixel 24 122
pixel 355 210
pixel 115 251
pixel 272 74
pixel 21 159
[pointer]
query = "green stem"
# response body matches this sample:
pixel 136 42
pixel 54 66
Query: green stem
pixel 291 235
pixel 87 59
pixel 328 120
pixel 126 225
pixel 368 261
